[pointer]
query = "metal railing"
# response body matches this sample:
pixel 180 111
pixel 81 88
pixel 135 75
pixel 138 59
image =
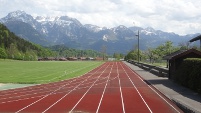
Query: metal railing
pixel 159 71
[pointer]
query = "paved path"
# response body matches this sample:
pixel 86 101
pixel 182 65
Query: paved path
pixel 187 99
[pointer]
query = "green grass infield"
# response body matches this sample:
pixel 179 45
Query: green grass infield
pixel 39 72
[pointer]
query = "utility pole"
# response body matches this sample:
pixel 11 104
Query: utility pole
pixel 103 50
pixel 138 35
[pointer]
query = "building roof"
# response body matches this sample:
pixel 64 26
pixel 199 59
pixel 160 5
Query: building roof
pixel 169 56
pixel 180 53
pixel 196 38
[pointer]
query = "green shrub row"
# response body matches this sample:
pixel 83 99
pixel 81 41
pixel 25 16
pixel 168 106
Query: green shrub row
pixel 189 74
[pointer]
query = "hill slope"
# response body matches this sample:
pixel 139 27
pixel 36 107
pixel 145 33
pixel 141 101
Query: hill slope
pixel 14 47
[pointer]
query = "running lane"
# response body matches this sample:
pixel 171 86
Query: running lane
pixel 23 99
pixel 154 101
pixel 111 88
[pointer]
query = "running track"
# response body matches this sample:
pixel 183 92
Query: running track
pixel 111 88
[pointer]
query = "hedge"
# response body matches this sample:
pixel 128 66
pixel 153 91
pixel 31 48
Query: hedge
pixel 188 74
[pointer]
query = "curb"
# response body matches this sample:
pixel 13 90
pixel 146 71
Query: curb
pixel 184 107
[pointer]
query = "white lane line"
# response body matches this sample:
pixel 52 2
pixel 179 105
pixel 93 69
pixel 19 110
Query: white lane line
pixel 64 96
pixel 35 91
pixel 47 95
pixel 13 98
pixel 28 91
pixel 36 88
pixel 104 91
pixel 41 91
pixel 87 91
pixel 30 87
pixel 69 92
pixel 40 99
pixel 156 92
pixel 21 99
pixel 137 90
pixel 122 99
pixel 99 83
pixel 53 93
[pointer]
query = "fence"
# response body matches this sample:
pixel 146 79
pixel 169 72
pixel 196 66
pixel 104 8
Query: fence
pixel 159 71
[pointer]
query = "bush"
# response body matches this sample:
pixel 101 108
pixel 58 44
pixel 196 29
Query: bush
pixel 3 53
pixel 189 74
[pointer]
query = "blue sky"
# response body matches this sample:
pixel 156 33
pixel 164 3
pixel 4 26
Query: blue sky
pixel 178 16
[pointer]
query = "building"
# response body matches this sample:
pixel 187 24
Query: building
pixel 175 59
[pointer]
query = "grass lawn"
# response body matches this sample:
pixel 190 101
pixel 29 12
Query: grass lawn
pixel 38 72
pixel 163 64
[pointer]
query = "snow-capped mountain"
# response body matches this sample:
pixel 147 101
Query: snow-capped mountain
pixel 45 19
pixel 18 16
pixel 69 31
pixel 93 28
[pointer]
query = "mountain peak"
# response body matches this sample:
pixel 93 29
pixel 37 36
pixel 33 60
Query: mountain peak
pixel 16 13
pixel 65 18
pixel 150 29
pixel 93 27
pixel 120 28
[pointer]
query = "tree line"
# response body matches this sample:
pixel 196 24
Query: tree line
pixel 156 54
pixel 63 51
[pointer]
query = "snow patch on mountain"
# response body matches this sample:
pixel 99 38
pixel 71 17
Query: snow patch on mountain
pixel 105 38
pixel 45 19
pixel 93 28
pixel 148 32
pixel 63 23
pixel 44 30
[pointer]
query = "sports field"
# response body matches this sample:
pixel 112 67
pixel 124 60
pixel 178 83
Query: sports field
pixel 110 88
pixel 34 72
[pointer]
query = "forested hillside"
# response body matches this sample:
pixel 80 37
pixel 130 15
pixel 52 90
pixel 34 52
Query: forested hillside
pixel 14 47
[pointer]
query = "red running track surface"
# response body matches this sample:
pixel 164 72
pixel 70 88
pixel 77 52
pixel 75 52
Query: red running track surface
pixel 111 88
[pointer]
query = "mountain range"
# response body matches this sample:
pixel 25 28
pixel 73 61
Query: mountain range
pixel 64 30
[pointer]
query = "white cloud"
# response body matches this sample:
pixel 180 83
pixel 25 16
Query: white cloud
pixel 180 16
